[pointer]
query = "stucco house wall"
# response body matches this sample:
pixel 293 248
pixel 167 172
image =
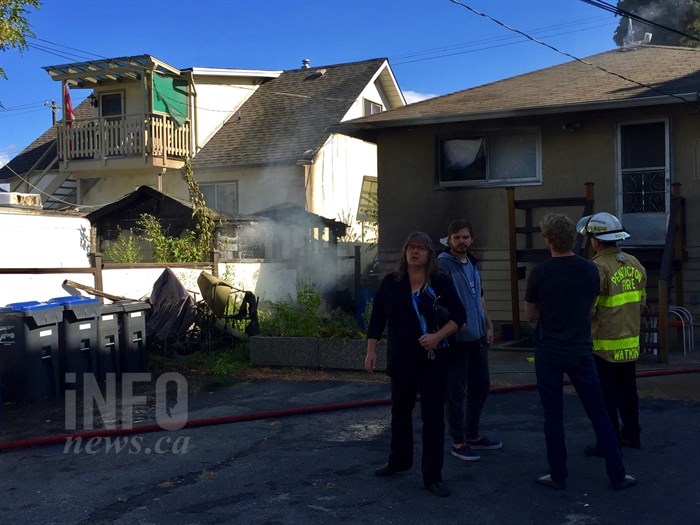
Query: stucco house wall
pixel 409 201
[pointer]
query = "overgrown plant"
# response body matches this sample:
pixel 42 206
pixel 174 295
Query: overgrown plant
pixel 125 248
pixel 308 317
pixel 167 248
pixel 204 228
pixel 191 246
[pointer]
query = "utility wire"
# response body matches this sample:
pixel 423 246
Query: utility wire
pixel 621 12
pixel 499 39
pixel 495 46
pixel 564 53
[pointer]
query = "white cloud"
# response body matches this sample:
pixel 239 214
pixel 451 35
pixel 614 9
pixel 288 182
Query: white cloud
pixel 6 154
pixel 415 96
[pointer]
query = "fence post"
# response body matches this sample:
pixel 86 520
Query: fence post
pixel 215 263
pixel 358 271
pixel 96 259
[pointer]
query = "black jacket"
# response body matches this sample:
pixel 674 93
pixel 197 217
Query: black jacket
pixel 393 307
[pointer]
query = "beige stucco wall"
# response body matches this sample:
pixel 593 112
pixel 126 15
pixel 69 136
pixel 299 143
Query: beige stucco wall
pixel 261 187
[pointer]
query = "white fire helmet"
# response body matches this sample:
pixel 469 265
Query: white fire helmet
pixel 602 226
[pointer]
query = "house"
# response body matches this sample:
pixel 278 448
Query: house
pixel 627 120
pixel 257 139
pixel 277 147
pixel 142 119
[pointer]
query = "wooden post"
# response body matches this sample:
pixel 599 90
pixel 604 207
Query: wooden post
pixel 663 321
pixel 215 263
pixel 513 244
pixel 678 241
pixel 358 271
pixel 96 259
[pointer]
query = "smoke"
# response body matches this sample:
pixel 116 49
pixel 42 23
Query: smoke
pixel 670 13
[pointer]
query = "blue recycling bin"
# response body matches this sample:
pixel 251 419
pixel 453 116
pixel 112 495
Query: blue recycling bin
pixel 108 341
pixel 78 336
pixel 30 351
pixel 132 333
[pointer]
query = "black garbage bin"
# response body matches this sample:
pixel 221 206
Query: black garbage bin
pixel 29 351
pixel 132 332
pixel 108 344
pixel 78 336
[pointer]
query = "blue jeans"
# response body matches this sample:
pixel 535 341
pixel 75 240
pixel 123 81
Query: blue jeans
pixel 550 368
pixel 468 373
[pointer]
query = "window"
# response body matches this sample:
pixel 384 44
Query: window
pixel 111 104
pixel 372 108
pixel 495 158
pixel 367 207
pixel 221 196
pixel 643 167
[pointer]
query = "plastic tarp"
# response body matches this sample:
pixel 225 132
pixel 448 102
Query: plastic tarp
pixel 172 308
pixel 170 96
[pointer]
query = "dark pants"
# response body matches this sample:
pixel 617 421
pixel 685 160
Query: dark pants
pixel 429 381
pixel 550 368
pixel 468 376
pixel 619 383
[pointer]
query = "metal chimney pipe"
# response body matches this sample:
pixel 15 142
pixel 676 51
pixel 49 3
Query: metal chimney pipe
pixel 305 63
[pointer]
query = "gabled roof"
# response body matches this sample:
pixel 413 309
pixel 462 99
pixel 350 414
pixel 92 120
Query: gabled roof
pixel 667 74
pixel 287 118
pixel 44 146
pixel 132 204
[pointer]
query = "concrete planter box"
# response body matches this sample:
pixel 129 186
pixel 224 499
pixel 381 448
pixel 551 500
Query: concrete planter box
pixel 313 352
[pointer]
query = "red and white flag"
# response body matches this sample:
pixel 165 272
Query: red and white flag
pixel 69 115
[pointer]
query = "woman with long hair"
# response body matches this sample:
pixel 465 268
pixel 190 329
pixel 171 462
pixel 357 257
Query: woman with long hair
pixel 420 309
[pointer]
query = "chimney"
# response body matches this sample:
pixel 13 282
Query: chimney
pixel 305 63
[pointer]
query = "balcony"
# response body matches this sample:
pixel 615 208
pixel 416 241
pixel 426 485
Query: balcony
pixel 124 142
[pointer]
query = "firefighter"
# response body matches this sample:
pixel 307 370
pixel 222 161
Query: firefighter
pixel 615 325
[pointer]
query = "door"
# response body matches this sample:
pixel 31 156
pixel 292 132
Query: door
pixel 112 111
pixel 644 179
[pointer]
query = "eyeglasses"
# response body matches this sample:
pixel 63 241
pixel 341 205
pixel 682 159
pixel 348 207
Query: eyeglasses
pixel 418 247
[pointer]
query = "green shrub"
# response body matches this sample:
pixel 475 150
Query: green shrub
pixel 125 249
pixel 309 317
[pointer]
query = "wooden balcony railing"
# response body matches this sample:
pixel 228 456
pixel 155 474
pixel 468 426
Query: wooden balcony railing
pixel 156 135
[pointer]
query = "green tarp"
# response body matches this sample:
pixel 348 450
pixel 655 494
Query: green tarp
pixel 170 96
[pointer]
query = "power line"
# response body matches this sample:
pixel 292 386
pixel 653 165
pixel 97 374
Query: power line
pixel 564 53
pixel 487 47
pixel 499 39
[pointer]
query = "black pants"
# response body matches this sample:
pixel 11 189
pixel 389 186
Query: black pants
pixel 619 383
pixel 429 380
pixel 468 373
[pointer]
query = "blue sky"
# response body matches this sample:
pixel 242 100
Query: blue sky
pixel 435 47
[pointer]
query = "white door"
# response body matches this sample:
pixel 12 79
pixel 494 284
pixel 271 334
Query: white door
pixel 644 180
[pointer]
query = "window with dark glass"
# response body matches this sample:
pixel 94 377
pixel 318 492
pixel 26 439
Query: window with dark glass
pixel 492 158
pixel 643 167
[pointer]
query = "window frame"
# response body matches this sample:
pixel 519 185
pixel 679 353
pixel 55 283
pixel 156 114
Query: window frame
pixel 370 105
pixel 487 136
pixel 216 183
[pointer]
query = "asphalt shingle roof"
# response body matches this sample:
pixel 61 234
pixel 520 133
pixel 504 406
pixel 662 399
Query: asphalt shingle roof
pixel 286 119
pixel 670 70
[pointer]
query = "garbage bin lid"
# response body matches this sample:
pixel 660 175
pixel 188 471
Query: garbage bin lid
pixel 31 306
pixel 20 305
pixel 133 306
pixel 71 300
